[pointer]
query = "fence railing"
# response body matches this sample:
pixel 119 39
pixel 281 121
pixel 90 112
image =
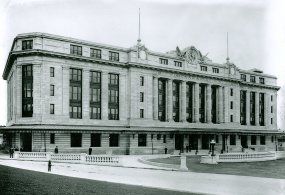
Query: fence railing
pixel 69 157
pixel 246 157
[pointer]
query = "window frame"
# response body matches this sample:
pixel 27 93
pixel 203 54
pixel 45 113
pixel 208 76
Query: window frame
pixel 51 108
pixel 142 140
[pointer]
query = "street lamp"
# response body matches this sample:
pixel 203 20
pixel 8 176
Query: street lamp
pixel 212 145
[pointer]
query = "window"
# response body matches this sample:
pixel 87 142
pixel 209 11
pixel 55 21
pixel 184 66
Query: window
pixel 113 96
pixel 164 138
pixel 253 140
pixel 141 81
pixel 113 56
pixel 141 113
pixel 262 140
pixel 232 105
pixel 232 139
pixel 261 80
pixel 243 107
pixel 163 61
pixel 141 97
pixel 215 70
pixel 271 109
pixel 51 70
pixel 75 139
pixel 272 139
pixel 142 140
pixel 95 140
pixel 271 98
pixel 76 50
pixel 75 93
pixel 243 77
pixel 252 79
pixel 27 44
pixel 51 90
pixel 161 99
pixel 271 121
pixel 232 92
pixel 95 53
pixel 27 90
pixel 204 68
pixel 178 64
pixel 52 138
pixel 51 110
pixel 95 113
pixel 114 140
pixel 232 118
pixel 158 137
pixel 95 95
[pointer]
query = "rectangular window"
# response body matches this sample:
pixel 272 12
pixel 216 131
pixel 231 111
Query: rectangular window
pixel 232 118
pixel 75 139
pixel 243 107
pixel 215 70
pixel 158 137
pixel 252 108
pixel 163 61
pixel 252 79
pixel 261 109
pixel 161 99
pixel 27 44
pixel 113 56
pixel 232 91
pixel 261 80
pixel 95 53
pixel 232 105
pixel 141 81
pixel 271 98
pixel 75 93
pixel 262 140
pixel 141 113
pixel 142 140
pixel 76 50
pixel 164 138
pixel 27 91
pixel 243 77
pixel 253 139
pixel 176 100
pixel 113 96
pixel 232 139
pixel 95 95
pixel 52 138
pixel 204 68
pixel 95 140
pixel 177 64
pixel 51 108
pixel 51 70
pixel 114 140
pixel 141 97
pixel 51 90
pixel 271 121
pixel 271 109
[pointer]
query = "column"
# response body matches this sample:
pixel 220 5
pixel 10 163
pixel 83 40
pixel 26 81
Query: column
pixel 85 94
pixel 247 107
pixel 122 97
pixel 37 111
pixel 65 91
pixel 226 104
pixel 209 104
pixel 183 101
pixel 169 100
pixel 104 96
pixel 18 94
pixel 221 106
pixel 196 103
pixel 256 108
pixel 155 98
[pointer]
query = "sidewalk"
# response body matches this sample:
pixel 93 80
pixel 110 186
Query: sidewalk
pixel 174 180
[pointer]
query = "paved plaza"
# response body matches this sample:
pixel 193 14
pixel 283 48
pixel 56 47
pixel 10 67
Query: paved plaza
pixel 148 176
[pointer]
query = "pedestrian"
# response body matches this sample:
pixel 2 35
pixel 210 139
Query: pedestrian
pixel 49 166
pixel 56 150
pixel 10 152
pixel 90 150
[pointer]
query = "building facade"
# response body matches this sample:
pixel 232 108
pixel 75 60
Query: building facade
pixel 76 94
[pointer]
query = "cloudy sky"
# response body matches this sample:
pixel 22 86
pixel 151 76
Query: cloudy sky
pixel 256 29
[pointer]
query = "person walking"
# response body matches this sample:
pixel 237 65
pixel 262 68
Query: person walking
pixel 56 150
pixel 90 150
pixel 49 166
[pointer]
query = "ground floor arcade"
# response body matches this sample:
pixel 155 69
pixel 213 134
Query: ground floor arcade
pixel 138 142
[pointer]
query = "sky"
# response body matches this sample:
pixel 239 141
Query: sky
pixel 256 29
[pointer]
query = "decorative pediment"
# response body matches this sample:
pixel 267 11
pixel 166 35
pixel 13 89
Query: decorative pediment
pixel 192 55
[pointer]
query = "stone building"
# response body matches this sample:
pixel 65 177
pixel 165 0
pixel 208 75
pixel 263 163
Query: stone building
pixel 75 94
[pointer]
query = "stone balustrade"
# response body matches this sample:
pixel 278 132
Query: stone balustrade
pixel 246 157
pixel 69 157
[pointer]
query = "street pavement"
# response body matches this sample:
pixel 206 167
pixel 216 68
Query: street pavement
pixel 148 176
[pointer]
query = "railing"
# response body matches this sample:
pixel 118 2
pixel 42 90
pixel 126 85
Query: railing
pixel 246 157
pixel 66 157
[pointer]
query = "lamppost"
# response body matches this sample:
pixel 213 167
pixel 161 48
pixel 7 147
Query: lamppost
pixel 212 145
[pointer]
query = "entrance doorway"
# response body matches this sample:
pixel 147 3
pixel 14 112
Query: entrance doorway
pixel 26 142
pixel 179 142
pixel 244 141
pixel 193 142
pixel 205 142
pixel 224 142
